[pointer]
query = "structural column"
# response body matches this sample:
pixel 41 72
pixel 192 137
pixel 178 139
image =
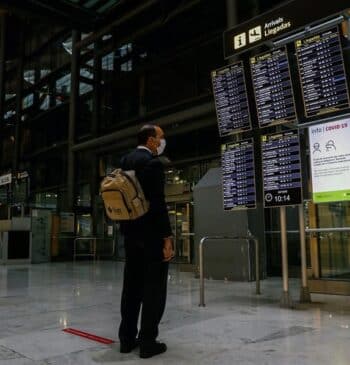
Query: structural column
pixel 96 107
pixel 3 19
pixel 74 96
pixel 304 291
pixel 255 217
pixel 231 9
pixel 96 118
pixel 142 98
pixel 286 301
pixel 19 94
pixel 36 96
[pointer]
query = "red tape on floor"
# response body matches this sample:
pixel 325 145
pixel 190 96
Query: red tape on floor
pixel 89 336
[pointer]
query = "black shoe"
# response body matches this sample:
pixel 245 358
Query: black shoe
pixel 151 349
pixel 126 347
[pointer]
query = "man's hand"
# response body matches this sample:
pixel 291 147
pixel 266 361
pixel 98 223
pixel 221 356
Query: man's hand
pixel 168 250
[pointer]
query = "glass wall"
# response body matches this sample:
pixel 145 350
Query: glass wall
pixel 273 241
pixel 331 249
pixel 181 220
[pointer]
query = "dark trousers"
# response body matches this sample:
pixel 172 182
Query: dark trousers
pixel 145 284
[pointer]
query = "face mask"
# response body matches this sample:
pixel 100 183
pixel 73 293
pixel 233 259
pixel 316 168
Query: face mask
pixel 161 147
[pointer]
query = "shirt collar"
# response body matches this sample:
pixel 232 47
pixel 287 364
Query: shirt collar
pixel 145 148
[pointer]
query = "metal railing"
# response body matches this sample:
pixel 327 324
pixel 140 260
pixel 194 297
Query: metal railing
pixel 235 238
pixel 295 231
pixel 182 236
pixel 327 230
pixel 92 251
pixel 93 247
pixel 315 230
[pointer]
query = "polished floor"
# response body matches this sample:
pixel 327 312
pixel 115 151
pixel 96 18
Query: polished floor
pixel 236 327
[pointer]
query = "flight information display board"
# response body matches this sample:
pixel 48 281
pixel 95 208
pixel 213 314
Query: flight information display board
pixel 322 73
pixel 273 88
pixel 231 100
pixel 238 175
pixel 281 169
pixel 3 194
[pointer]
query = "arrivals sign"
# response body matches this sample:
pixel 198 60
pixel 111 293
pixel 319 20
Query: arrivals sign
pixel 330 161
pixel 288 18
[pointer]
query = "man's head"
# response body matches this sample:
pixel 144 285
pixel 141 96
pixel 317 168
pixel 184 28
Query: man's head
pixel 152 137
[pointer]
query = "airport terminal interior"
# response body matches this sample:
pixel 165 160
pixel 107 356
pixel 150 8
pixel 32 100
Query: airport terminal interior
pixel 253 98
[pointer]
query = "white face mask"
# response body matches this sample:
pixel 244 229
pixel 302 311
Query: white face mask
pixel 161 147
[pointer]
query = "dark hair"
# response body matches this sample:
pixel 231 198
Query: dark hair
pixel 148 130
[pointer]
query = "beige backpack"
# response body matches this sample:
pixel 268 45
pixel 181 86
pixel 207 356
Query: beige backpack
pixel 123 196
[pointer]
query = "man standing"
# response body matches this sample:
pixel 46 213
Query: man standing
pixel 148 250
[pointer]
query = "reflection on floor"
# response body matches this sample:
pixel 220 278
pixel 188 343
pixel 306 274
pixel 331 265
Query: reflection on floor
pixel 236 327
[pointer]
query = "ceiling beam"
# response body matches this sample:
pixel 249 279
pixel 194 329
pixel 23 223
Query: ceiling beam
pixel 96 35
pixel 61 12
pixel 164 121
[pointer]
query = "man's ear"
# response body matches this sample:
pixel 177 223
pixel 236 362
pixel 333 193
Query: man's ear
pixel 150 140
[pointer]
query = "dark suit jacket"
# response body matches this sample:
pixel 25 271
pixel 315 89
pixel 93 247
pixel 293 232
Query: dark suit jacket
pixel 154 225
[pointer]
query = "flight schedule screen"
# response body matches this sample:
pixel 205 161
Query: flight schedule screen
pixel 281 169
pixel 273 88
pixel 322 73
pixel 231 99
pixel 238 175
